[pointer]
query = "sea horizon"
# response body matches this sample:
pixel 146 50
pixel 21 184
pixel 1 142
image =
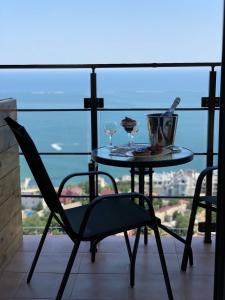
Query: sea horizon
pixel 70 131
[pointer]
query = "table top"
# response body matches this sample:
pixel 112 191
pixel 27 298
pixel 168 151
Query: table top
pixel 104 156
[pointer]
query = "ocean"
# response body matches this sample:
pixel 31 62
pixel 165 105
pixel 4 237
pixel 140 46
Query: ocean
pixel 132 88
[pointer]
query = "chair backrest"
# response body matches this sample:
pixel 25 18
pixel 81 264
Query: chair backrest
pixel 36 166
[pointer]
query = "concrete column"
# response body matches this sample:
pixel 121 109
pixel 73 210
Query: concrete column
pixel 10 194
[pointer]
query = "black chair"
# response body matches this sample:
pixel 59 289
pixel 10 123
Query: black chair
pixel 168 230
pixel 207 202
pixel 104 216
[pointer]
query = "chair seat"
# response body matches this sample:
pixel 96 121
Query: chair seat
pixel 116 215
pixel 209 199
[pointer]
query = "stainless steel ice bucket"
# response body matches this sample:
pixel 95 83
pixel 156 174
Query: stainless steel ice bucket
pixel 162 129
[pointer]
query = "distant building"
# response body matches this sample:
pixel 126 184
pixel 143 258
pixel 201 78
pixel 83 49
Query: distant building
pixel 27 213
pixel 31 202
pixel 101 181
pixel 70 191
pixel 214 183
pixel 165 213
pixel 125 178
pixel 180 183
pixel 107 191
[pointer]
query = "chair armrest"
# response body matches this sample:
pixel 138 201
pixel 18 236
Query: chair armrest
pixel 68 177
pixel 201 177
pixel 99 199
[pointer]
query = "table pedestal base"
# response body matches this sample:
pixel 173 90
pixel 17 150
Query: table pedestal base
pixel 141 172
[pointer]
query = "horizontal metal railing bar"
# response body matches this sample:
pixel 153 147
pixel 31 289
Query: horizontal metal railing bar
pixel 89 153
pixel 42 227
pixel 115 65
pixel 172 197
pixel 62 196
pixel 107 109
pixel 153 109
pixel 61 229
pixel 86 196
pixel 61 153
pixel 204 153
pixel 50 109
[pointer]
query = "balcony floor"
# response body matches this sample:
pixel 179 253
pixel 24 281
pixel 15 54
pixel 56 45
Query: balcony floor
pixel 108 277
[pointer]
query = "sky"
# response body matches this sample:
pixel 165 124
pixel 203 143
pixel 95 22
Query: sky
pixel 116 31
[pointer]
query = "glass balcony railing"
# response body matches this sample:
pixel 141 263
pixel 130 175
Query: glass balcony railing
pixel 50 101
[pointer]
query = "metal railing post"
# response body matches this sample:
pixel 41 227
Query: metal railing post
pixel 94 131
pixel 219 274
pixel 210 149
pixel 94 121
pixel 93 103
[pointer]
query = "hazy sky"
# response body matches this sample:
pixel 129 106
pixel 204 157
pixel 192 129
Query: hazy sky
pixel 116 31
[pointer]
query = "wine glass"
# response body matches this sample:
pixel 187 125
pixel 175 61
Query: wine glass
pixel 110 128
pixel 129 126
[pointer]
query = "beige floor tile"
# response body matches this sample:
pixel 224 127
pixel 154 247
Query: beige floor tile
pixel 47 263
pixel 108 277
pixel 44 286
pixel 113 244
pixel 101 286
pixel 56 263
pixel 167 243
pixel 52 244
pixel 198 287
pixel 149 286
pixel 198 246
pixel 21 262
pixel 9 282
pixel 105 263
pixel 150 263
pixel 203 264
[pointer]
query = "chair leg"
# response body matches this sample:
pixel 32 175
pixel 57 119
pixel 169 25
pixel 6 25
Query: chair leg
pixel 93 255
pixel 128 244
pixel 39 248
pixel 68 270
pixel 93 250
pixel 163 263
pixel 145 235
pixel 179 238
pixel 133 257
pixel 187 247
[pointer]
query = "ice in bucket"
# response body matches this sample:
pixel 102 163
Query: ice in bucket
pixel 162 129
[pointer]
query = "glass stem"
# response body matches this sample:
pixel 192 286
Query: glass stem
pixel 129 139
pixel 110 141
